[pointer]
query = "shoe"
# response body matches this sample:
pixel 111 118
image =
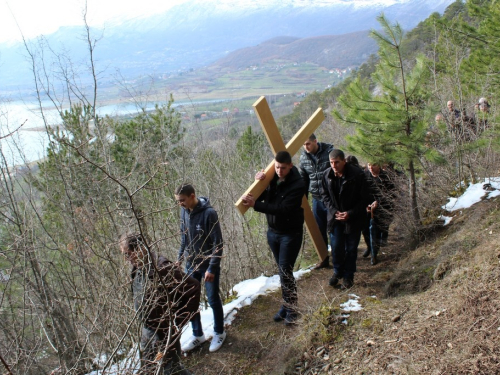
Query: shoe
pixel 374 260
pixel 193 342
pixel 334 280
pixel 366 253
pixel 280 315
pixel 217 341
pixel 291 318
pixel 347 284
pixel 325 263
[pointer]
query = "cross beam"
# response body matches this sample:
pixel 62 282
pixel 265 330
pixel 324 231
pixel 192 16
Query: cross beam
pixel 277 144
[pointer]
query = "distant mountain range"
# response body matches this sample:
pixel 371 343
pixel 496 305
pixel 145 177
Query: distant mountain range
pixel 198 33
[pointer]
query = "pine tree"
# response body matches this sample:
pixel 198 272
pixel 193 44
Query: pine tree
pixel 391 121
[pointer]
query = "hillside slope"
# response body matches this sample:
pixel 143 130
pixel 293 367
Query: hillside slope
pixel 433 310
pixel 330 51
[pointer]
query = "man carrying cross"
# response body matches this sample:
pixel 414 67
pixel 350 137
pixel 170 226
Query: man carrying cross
pixel 281 202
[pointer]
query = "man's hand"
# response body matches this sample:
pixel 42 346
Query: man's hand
pixel 209 277
pixel 261 175
pixel 341 216
pixel 248 200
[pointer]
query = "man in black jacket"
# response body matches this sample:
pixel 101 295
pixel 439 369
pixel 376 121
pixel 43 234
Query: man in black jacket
pixel 314 160
pixel 201 247
pixel 345 194
pixel 165 299
pixel 282 204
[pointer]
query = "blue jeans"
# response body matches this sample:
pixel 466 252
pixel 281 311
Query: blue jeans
pixel 344 251
pixel 320 213
pixel 285 248
pixel 212 291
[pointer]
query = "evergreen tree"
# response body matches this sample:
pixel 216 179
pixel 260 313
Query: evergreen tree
pixel 391 121
pixel 250 146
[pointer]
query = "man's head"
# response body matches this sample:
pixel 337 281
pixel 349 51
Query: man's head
pixel 450 105
pixel 283 164
pixel 134 249
pixel 337 161
pixel 374 169
pixel 311 145
pixel 185 196
pixel 439 118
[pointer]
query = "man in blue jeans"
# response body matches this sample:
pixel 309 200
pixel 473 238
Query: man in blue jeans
pixel 282 204
pixel 201 247
pixel 345 194
pixel 314 160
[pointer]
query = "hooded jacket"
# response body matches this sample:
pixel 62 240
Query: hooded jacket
pixel 353 197
pixel 282 203
pixel 313 166
pixel 201 237
pixel 163 294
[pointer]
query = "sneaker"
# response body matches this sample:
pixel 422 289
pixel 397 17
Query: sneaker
pixel 291 318
pixel 347 283
pixel 193 342
pixel 334 280
pixel 280 315
pixel 366 253
pixel 217 341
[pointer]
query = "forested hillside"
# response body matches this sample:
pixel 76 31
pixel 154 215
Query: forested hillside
pixel 65 304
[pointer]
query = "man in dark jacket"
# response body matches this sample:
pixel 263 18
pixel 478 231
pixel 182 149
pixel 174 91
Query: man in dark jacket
pixel 345 194
pixel 282 204
pixel 165 299
pixel 314 160
pixel 201 247
pixel 382 195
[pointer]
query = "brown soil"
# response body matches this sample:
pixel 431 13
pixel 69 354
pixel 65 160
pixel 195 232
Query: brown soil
pixel 443 316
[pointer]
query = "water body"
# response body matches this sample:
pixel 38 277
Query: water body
pixel 30 142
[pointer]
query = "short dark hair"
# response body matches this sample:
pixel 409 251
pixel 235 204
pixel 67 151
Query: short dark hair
pixel 336 153
pixel 132 241
pixel 185 189
pixel 283 157
pixel 312 137
pixel 351 159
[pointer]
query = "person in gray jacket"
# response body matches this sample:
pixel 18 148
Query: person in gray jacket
pixel 314 160
pixel 201 248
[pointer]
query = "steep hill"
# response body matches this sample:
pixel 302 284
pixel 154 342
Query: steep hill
pixel 330 51
pixel 432 310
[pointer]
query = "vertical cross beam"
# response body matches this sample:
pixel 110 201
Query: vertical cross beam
pixel 277 144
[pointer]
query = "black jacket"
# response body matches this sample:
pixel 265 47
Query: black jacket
pixel 353 197
pixel 282 203
pixel 313 166
pixel 382 190
pixel 201 237
pixel 163 293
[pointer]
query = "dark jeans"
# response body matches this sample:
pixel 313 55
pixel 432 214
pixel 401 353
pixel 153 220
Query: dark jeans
pixel 212 291
pixel 366 233
pixel 285 248
pixel 344 251
pixel 378 233
pixel 320 213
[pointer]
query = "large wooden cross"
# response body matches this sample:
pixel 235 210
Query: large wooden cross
pixel 293 146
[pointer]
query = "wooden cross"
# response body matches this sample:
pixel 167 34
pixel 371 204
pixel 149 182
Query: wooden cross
pixel 275 140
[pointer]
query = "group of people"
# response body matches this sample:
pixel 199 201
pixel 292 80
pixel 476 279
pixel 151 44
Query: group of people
pixel 347 200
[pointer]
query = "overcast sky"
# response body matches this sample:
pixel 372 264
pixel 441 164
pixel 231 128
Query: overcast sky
pixel 36 17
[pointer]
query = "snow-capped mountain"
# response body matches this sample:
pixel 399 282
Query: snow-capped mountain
pixel 198 32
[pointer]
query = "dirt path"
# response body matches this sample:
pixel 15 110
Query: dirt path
pixel 257 345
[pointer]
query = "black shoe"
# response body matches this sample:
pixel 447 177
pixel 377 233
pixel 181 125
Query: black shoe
pixel 374 260
pixel 291 318
pixel 366 253
pixel 347 283
pixel 280 315
pixel 334 280
pixel 325 263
